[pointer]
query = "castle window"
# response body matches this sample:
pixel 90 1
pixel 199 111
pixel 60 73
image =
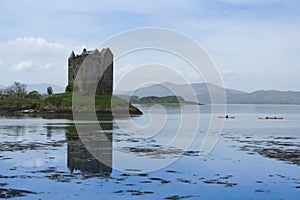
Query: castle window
pixel 73 76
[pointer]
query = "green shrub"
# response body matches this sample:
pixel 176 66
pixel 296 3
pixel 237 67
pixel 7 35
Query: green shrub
pixel 69 89
pixel 33 95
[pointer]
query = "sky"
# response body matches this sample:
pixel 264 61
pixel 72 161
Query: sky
pixel 254 44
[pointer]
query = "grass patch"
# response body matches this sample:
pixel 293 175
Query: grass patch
pixel 63 103
pixel 101 102
pixel 20 102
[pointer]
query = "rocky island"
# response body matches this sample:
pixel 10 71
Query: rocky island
pixel 92 68
pixel 60 104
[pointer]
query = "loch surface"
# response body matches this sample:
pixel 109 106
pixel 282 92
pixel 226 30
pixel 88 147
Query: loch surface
pixel 46 158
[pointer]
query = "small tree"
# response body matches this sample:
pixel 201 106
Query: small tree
pixel 2 94
pixel 9 91
pixel 20 89
pixel 69 89
pixel 17 90
pixel 49 90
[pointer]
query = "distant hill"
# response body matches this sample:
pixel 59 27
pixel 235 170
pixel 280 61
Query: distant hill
pixel 201 91
pixel 42 88
pixel 266 97
pixel 162 100
pixel 233 96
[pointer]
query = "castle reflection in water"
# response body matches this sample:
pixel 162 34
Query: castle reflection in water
pixel 79 158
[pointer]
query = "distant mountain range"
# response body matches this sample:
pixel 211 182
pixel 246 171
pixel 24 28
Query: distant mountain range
pixel 41 87
pixel 266 97
pixel 202 92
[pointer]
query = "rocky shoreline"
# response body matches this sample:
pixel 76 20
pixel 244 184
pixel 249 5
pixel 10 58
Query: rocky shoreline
pixel 66 111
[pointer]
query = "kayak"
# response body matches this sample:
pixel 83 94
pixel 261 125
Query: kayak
pixel 271 118
pixel 229 117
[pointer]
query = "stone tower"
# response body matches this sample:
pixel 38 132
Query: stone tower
pixel 95 67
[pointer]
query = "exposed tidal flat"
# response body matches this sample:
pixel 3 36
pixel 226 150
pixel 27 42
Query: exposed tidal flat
pixel 45 158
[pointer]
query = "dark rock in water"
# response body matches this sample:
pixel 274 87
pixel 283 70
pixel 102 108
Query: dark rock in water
pixel 177 197
pixel 11 193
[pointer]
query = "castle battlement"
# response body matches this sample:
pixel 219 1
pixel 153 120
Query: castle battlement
pixel 95 67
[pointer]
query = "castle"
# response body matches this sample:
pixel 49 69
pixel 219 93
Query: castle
pixel 95 160
pixel 79 158
pixel 95 67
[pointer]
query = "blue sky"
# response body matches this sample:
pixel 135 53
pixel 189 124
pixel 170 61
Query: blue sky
pixel 254 44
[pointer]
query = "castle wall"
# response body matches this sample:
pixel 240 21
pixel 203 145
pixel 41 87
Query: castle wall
pixel 95 67
pixel 106 83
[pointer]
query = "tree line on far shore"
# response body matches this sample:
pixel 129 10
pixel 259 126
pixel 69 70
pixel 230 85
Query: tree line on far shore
pixel 19 90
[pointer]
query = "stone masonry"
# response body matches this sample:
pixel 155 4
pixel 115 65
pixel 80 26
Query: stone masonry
pixel 91 67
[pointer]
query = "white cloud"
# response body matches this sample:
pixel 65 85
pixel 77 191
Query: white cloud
pixel 35 55
pixel 23 65
pixel 47 66
pixel 257 39
pixel 257 51
pixel 32 46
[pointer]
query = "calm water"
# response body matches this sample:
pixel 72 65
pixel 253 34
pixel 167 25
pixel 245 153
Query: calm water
pixel 253 159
